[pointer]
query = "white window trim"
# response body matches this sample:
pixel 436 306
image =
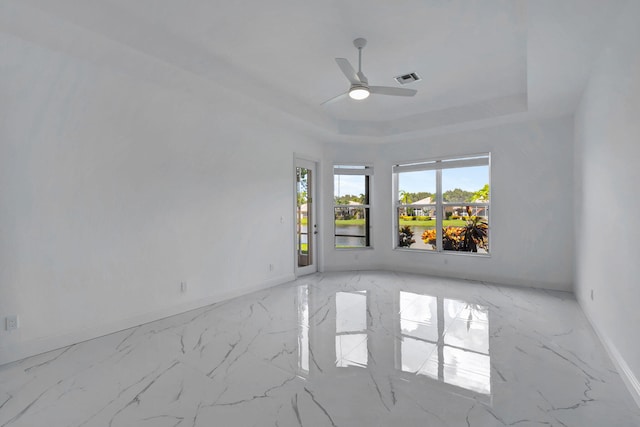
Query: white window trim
pixel 450 162
pixel 353 168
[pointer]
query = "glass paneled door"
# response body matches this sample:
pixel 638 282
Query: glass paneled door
pixel 306 226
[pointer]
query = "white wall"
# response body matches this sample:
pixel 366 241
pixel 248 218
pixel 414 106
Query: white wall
pixel 114 188
pixel 607 204
pixel 531 196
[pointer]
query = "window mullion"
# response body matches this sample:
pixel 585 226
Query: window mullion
pixel 394 213
pixel 439 210
pixel 367 213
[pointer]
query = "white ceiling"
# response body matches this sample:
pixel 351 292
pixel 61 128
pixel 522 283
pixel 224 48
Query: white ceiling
pixel 479 60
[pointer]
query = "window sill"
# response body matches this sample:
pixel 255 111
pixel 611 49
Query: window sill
pixel 364 248
pixel 454 253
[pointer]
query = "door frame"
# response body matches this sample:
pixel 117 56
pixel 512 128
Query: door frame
pixel 313 165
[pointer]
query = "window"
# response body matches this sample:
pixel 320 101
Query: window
pixel 443 205
pixel 352 217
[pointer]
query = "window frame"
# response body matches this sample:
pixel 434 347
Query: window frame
pixel 436 164
pixel 359 169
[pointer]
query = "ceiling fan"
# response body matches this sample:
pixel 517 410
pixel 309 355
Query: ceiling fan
pixel 360 88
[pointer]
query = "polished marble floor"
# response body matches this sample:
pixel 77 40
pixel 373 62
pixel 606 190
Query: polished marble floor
pixel 337 349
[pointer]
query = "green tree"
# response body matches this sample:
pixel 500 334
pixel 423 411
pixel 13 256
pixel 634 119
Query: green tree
pixel 405 197
pixel 301 178
pixel 482 194
pixel 457 195
pixel 344 200
pixel 302 198
pixel 422 195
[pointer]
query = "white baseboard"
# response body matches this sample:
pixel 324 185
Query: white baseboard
pixel 43 345
pixel 627 374
pixel 501 281
pixel 629 378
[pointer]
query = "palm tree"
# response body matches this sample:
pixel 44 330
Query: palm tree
pixel 405 198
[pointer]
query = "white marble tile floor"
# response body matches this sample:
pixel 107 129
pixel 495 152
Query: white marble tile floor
pixel 336 349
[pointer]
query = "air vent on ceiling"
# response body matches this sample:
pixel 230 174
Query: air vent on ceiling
pixel 407 78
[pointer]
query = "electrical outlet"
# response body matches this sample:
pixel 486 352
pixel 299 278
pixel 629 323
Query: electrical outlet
pixel 11 322
pixel 183 287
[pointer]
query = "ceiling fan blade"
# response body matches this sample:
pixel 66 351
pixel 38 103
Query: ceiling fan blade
pixel 348 70
pixel 393 91
pixel 335 98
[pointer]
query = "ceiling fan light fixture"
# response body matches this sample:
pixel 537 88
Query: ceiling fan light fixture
pixel 359 93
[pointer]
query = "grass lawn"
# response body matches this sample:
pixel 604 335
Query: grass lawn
pixel 349 221
pixel 432 223
pixel 429 223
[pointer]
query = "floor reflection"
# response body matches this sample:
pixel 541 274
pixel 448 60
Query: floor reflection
pixel 303 334
pixel 445 339
pixel 351 329
pixel 409 334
